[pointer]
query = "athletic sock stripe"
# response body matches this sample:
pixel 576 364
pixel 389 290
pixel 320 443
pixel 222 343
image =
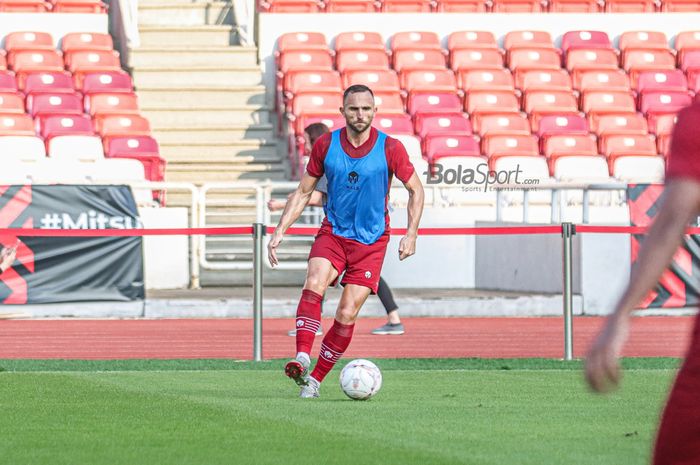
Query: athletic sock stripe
pixel 329 354
pixel 307 324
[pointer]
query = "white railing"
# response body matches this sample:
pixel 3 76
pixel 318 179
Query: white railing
pixel 123 15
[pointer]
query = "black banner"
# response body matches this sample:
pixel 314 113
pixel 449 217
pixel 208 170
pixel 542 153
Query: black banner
pixel 71 269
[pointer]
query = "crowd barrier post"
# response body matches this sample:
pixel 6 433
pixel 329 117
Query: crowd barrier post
pixel 258 234
pixel 567 231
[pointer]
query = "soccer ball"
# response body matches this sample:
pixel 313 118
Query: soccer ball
pixel 360 379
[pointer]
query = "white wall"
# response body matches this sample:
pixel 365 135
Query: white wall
pixel 166 258
pixel 58 25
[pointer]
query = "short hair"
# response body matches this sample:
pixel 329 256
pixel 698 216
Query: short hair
pixel 356 89
pixel 316 130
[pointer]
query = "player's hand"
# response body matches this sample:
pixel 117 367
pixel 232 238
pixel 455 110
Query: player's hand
pixel 275 205
pixel 275 241
pixel 407 246
pixel 7 256
pixel 602 367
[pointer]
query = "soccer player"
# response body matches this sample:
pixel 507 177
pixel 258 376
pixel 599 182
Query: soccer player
pixel 358 162
pixel 678 438
pixel 7 256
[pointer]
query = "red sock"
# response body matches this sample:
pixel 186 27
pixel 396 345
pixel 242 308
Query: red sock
pixel 332 348
pixel 308 319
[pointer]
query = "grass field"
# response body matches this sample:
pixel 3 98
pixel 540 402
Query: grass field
pixel 446 411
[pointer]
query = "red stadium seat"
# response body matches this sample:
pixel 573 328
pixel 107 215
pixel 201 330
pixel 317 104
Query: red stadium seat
pixel 517 6
pixel 567 145
pixel 111 104
pixel 347 60
pixel 310 80
pixel 415 40
pixel 690 63
pixel 662 81
pixel 16 125
pixel 78 6
pixel 75 41
pixel 471 40
pixel 582 60
pixel 489 80
pixel 654 103
pixel 3 61
pixel 418 59
pixel 406 6
pixel 379 80
pixel 306 60
pixel 479 58
pixel 662 124
pixel 54 104
pixel 316 102
pixel 630 6
pixel 393 124
pixel 644 40
pixel 23 41
pixel 113 81
pixel 574 6
pixel 510 145
pixel 605 80
pixel 291 6
pixel 686 41
pixel 601 102
pixel 620 124
pixel 638 61
pixel 440 146
pixel 123 125
pixel 429 80
pixel 11 103
pixel 680 6
pixel 481 103
pixel 574 40
pixel 48 82
pixel 539 103
pixel 562 124
pixel 301 41
pixel 92 61
pixel 523 59
pixel 8 82
pixel 359 41
pixel 546 79
pixel 67 125
pixel 432 102
pixel 615 146
pixel 332 120
pixel 504 124
pixel 527 39
pixel 142 148
pixel 442 124
pixel 23 6
pixel 36 61
pixel 461 6
pixel 389 102
pixel 351 6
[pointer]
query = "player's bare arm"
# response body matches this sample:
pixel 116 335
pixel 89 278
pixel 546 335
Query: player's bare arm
pixel 416 196
pixel 681 205
pixel 315 201
pixel 298 200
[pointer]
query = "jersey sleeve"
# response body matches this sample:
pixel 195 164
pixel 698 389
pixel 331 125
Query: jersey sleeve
pixel 318 155
pixel 684 156
pixel 397 159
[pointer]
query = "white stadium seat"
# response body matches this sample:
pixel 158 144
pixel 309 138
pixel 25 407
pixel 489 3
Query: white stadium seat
pixel 640 169
pixel 76 148
pixel 581 169
pixel 21 148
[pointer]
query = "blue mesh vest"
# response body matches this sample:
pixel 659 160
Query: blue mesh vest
pixel 357 189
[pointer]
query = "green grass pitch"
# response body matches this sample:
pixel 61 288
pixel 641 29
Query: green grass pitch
pixel 209 412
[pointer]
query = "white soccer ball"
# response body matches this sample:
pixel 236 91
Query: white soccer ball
pixel 360 379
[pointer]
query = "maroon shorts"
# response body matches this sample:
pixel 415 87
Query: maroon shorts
pixel 362 263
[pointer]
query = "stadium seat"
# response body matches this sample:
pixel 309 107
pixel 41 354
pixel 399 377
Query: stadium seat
pixel 415 40
pixel 114 81
pixel 351 6
pixel 574 40
pixel 28 41
pixel 75 147
pixel 16 125
pixel 460 6
pixel 630 6
pixel 600 102
pixel 301 41
pixel 92 61
pixel 510 145
pixel 118 170
pixel 21 148
pixel 406 6
pixel 54 104
pixel 662 124
pixel 553 125
pixel 603 80
pixel 583 60
pixel 8 82
pixel 494 125
pixel 439 146
pixel 524 59
pixel 78 6
pixel 389 102
pixel 311 80
pixel 690 64
pixel 291 6
pixel 569 145
pixel 432 102
pixel 642 40
pixel 48 83
pixel 574 6
pixel 528 39
pixel 680 6
pixel 36 61
pixel 530 167
pixel 359 41
pixel 394 124
pixel 144 149
pixel 50 171
pixel 471 40
pixel 122 126
pixel 74 41
pixel 539 103
pixel 546 79
pixel 442 124
pixel 379 80
pixel 633 169
pixel 615 146
pixel 486 80
pixel 620 124
pixel 580 168
pixel 480 103
pixel 405 59
pixel 111 104
pixel 654 103
pixel 305 60
pixel 686 41
pixel 332 120
pixel 365 60
pixel 480 58
pixel 412 145
pixel 638 61
pixel 24 6
pixel 429 80
pixel 11 103
pixel 74 125
pixel 517 6
pixel 315 102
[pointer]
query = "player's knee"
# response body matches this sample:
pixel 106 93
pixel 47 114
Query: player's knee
pixel 346 314
pixel 315 283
